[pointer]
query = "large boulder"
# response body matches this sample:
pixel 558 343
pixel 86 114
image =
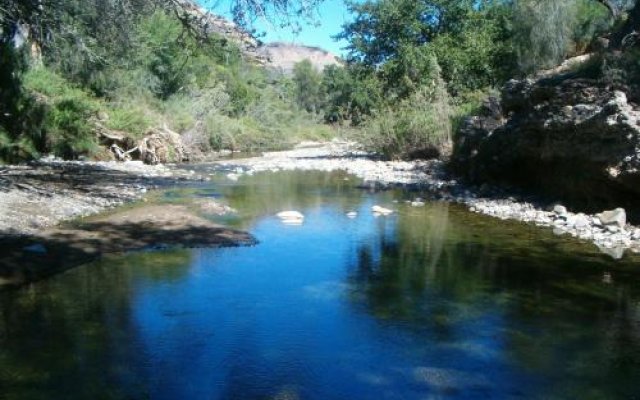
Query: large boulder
pixel 576 140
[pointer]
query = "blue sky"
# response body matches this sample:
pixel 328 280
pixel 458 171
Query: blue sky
pixel 331 15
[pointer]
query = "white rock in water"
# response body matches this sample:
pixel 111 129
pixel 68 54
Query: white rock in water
pixel 292 221
pixel 417 203
pixel 581 221
pixel 232 177
pixel 381 210
pixel 290 216
pixel 352 214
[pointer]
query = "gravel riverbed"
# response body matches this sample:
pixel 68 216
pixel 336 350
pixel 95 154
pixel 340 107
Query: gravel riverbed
pixel 42 194
pixel 609 231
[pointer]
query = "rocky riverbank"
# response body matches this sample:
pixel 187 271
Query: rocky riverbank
pixel 609 231
pixel 43 194
pixel 573 139
pixel 36 198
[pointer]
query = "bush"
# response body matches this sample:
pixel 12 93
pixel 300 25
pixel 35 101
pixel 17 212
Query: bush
pixel 67 130
pixel 468 104
pixel 131 117
pixel 417 127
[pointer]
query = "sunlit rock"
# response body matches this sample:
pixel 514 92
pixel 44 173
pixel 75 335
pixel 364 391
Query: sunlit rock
pixel 381 210
pixel 617 217
pixel 291 217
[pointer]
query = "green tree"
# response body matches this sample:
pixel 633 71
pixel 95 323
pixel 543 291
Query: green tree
pixel 470 38
pixel 351 93
pixel 307 82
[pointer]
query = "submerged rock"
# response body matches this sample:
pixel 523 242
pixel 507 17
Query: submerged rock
pixel 36 249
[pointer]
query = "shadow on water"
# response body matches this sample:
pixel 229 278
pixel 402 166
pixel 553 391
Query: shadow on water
pixel 61 249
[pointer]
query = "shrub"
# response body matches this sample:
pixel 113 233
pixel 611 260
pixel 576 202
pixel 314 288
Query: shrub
pixel 417 127
pixel 66 129
pixel 131 117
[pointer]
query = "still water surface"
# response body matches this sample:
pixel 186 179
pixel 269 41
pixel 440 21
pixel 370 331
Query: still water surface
pixel 430 303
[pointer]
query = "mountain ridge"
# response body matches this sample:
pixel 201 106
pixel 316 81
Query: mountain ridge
pixel 283 56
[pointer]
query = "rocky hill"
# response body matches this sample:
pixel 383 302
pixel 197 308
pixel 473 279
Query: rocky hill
pixel 283 56
pixel 279 56
pixel 214 24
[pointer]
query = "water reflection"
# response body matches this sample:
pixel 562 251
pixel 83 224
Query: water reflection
pixel 69 337
pixel 544 312
pixel 426 303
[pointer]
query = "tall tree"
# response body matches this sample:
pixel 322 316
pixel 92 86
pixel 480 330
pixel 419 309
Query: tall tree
pixel 468 36
pixel 307 86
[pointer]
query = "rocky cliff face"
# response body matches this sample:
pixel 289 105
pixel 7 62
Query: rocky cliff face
pixel 279 56
pixel 574 140
pixel 283 56
pixel 211 23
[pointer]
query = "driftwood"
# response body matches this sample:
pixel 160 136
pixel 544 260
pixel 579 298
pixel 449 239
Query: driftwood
pixel 159 145
pixel 122 155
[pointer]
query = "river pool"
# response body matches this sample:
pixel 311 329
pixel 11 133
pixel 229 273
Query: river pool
pixel 429 303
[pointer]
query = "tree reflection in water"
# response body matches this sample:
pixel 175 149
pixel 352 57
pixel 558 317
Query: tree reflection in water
pixel 68 336
pixel 470 284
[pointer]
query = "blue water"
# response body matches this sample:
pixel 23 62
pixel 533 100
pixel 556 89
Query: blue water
pixel 428 303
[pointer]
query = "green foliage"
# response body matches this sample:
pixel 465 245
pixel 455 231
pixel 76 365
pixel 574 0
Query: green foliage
pixel 412 68
pixel 19 117
pixel 134 119
pixel 69 111
pixel 480 55
pixel 350 94
pixel 470 39
pixel 417 127
pixel 548 31
pixel 132 65
pixel 307 86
